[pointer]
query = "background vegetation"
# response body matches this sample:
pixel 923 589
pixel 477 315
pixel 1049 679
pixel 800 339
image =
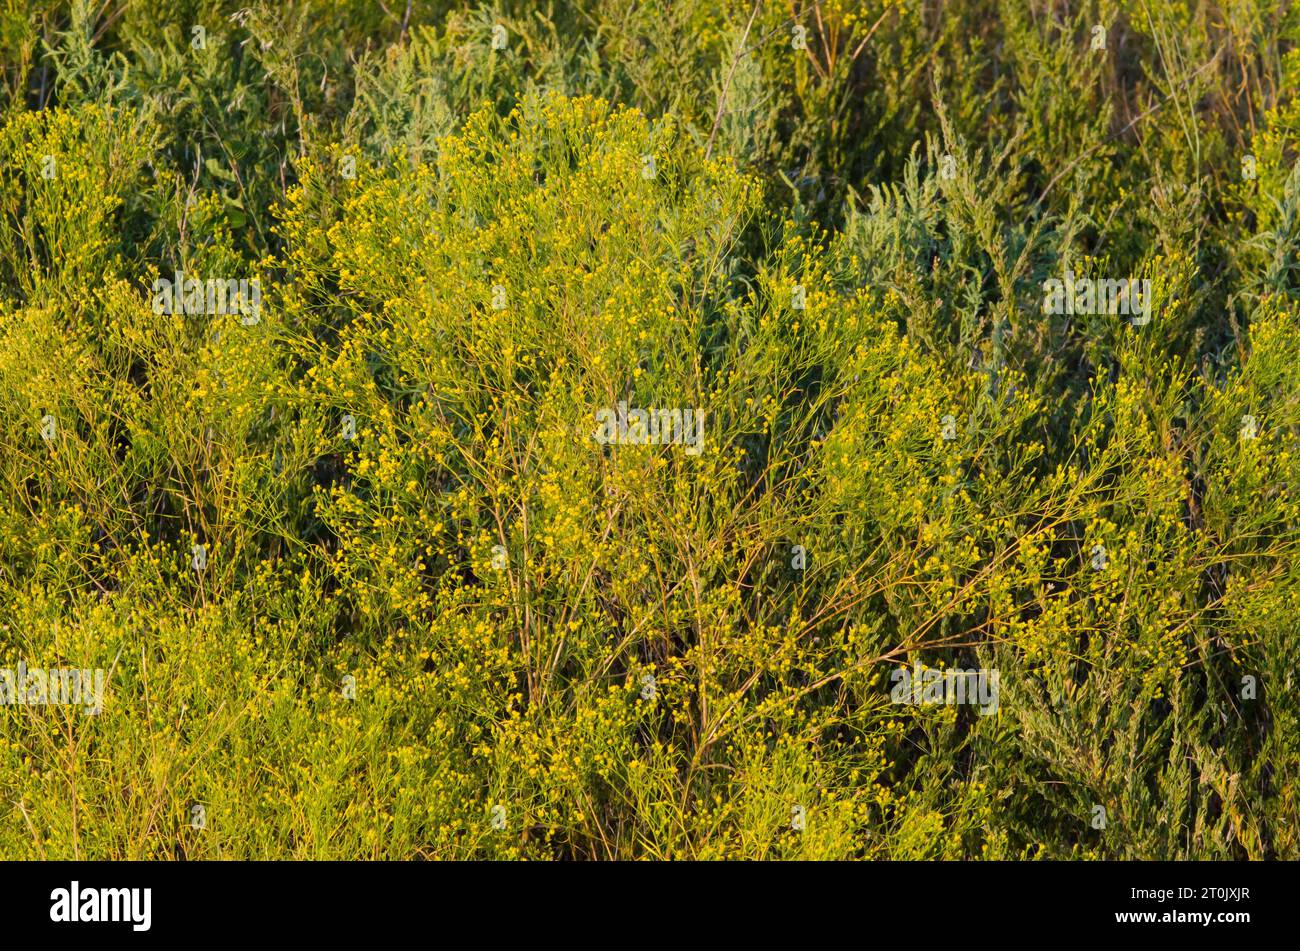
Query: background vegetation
pixel 499 588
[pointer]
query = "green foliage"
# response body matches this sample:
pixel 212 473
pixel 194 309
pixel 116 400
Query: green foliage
pixel 364 580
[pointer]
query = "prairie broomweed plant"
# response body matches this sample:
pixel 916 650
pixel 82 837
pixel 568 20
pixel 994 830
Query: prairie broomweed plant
pixel 649 431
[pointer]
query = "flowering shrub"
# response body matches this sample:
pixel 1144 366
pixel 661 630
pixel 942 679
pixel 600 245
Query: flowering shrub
pixel 630 399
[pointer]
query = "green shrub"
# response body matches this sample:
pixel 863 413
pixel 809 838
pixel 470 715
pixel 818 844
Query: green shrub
pixel 367 571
